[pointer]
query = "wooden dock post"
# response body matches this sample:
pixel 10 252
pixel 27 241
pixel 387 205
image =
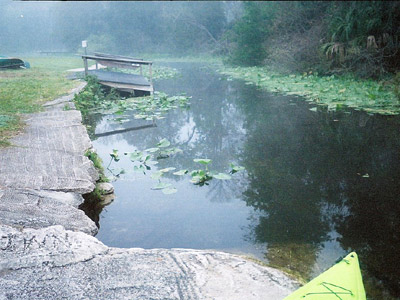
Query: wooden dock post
pixel 151 76
pixel 84 45
pixel 86 66
pixel 151 73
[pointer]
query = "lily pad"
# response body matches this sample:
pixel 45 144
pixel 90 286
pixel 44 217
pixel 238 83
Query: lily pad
pixel 157 175
pixel 180 172
pixel 152 150
pixel 235 168
pixel 161 186
pixel 168 191
pixel 163 143
pixel 114 155
pixel 204 161
pixel 167 170
pixel 222 176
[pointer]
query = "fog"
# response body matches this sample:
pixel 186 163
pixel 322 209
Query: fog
pixel 178 28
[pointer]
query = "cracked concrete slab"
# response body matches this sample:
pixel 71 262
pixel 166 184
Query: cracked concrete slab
pixel 54 263
pixel 46 170
pixel 34 209
pixel 58 130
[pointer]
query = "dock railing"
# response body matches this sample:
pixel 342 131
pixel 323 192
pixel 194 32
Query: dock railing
pixel 120 61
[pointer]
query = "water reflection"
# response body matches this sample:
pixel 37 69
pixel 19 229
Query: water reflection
pixel 119 131
pixel 316 186
pixel 311 173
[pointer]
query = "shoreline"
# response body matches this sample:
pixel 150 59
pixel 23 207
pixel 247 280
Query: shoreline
pixel 48 246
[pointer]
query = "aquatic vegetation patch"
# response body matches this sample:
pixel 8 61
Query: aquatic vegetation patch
pixel 145 160
pixel 153 107
pixel 202 176
pixel 147 108
pixel 95 99
pixel 335 92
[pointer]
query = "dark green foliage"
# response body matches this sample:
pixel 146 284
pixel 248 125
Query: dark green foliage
pixel 98 164
pixel 96 195
pixel 93 95
pixel 92 98
pixel 396 86
pixel 364 37
pixel 250 33
pixel 275 31
pixel 328 37
pixel 356 20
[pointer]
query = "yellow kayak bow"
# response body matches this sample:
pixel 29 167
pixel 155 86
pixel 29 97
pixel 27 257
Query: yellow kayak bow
pixel 343 281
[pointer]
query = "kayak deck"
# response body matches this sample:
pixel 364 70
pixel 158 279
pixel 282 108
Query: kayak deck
pixel 343 281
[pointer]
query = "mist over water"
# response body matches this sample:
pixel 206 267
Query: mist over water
pixel 118 27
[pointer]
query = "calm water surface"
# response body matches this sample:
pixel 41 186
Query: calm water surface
pixel 317 184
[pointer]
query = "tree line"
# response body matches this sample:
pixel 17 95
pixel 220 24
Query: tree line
pixel 328 37
pixel 324 37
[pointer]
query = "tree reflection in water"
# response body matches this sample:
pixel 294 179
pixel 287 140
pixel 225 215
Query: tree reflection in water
pixel 314 173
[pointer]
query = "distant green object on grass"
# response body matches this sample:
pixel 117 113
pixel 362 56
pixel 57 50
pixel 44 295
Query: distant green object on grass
pixel 12 63
pixel 342 281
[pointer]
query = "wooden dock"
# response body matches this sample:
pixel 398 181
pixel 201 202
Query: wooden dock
pixel 122 81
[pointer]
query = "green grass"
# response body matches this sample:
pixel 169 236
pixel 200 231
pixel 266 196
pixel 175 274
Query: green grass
pixel 334 92
pixel 96 195
pixel 98 164
pixel 24 91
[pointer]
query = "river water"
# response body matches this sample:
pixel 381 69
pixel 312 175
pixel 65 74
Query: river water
pixel 317 185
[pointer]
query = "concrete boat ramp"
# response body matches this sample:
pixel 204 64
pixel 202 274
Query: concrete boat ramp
pixel 48 248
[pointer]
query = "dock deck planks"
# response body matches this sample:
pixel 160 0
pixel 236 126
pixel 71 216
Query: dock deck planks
pixel 119 80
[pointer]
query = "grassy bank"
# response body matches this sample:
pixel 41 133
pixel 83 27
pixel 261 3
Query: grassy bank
pixel 24 91
pixel 333 91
